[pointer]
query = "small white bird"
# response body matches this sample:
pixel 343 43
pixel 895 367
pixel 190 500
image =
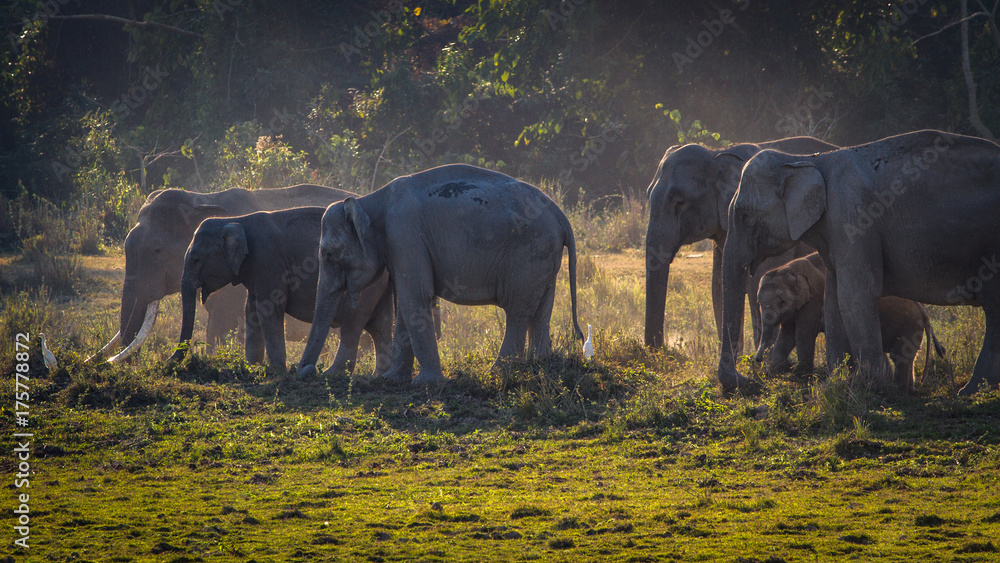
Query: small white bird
pixel 47 357
pixel 588 346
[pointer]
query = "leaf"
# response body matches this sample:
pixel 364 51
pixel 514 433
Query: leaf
pixel 675 115
pixel 658 106
pixel 505 76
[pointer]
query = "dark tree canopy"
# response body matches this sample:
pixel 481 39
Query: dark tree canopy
pixel 104 101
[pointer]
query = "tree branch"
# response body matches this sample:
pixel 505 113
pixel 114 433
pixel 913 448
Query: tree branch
pixel 993 20
pixel 137 23
pixel 970 84
pixel 964 21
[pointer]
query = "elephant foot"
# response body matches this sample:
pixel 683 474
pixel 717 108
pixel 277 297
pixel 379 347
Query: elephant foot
pixel 340 368
pixel 398 375
pixel 306 371
pixel 734 381
pixel 971 388
pixel 426 377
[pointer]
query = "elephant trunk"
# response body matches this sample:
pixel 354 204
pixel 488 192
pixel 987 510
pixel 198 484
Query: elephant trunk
pixel 132 309
pixel 735 263
pixel 327 303
pixel 189 288
pixel 767 337
pixel 660 252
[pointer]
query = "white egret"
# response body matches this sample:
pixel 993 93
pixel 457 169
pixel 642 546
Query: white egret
pixel 588 346
pixel 50 360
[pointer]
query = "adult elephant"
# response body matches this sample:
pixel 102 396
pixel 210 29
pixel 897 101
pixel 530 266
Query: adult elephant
pixel 155 247
pixel 275 256
pixel 688 202
pixel 462 233
pixel 912 216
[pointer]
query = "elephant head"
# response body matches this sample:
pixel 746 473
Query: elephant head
pixel 154 260
pixel 782 293
pixel 350 260
pixel 213 260
pixel 778 200
pixel 688 201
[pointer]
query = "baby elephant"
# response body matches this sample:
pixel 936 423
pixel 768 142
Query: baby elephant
pixel 791 301
pixel 275 255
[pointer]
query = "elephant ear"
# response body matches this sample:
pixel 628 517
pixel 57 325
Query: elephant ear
pixel 359 221
pixel 234 245
pixel 804 197
pixel 729 164
pixel 803 292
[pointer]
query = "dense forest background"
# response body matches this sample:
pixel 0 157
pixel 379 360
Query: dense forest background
pixel 104 101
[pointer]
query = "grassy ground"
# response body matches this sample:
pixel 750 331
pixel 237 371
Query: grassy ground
pixel 632 456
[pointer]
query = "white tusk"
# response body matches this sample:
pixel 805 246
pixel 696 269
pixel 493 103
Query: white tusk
pixel 107 346
pixel 147 325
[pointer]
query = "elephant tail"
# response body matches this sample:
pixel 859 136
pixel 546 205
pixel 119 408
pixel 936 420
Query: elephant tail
pixel 931 340
pixel 571 247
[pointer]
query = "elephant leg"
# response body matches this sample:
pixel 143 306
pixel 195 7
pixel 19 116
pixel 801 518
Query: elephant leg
pixel 224 316
pixel 783 344
pixel 987 369
pixel 903 353
pixel 717 298
pixel 273 327
pixel 380 328
pixel 436 311
pixel 838 347
pixel 253 335
pixel 539 339
pixel 858 296
pixel 347 351
pixel 755 313
pixel 513 336
pixel 807 328
pixel 401 370
pixel 420 327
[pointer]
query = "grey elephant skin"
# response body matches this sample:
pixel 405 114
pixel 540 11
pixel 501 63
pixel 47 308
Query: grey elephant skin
pixel 462 233
pixel 910 216
pixel 275 256
pixel 791 304
pixel 688 202
pixel 155 247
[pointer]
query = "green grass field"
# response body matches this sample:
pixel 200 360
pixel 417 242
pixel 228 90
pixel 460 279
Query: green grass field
pixel 632 456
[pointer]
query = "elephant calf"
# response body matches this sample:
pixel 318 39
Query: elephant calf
pixel 275 255
pixel 791 301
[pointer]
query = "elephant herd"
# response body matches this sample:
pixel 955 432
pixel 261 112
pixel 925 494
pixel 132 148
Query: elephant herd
pixel 376 263
pixel 847 241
